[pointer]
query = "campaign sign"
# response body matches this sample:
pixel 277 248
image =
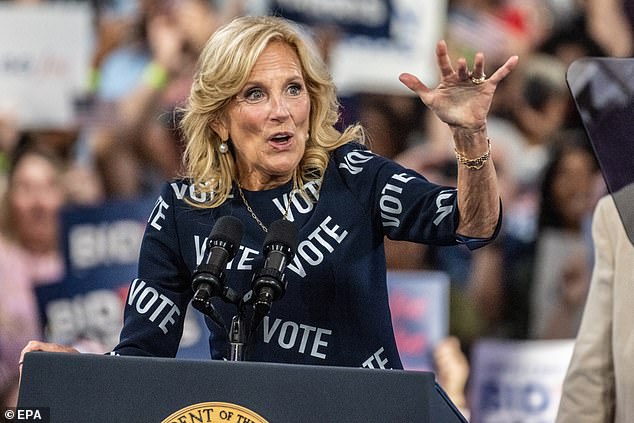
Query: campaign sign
pixel 419 302
pixel 361 17
pixel 518 381
pixel 377 39
pixel 101 250
pixel 45 58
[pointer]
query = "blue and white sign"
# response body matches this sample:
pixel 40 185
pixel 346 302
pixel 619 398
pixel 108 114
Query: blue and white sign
pixel 419 302
pixel 45 58
pixel 518 381
pixel 371 18
pixel 101 248
pixel 378 39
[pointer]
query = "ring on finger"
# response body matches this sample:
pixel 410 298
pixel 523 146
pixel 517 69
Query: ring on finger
pixel 478 80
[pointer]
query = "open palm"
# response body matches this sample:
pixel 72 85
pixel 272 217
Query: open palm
pixel 457 100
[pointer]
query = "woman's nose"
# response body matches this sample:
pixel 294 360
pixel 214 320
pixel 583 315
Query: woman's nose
pixel 279 108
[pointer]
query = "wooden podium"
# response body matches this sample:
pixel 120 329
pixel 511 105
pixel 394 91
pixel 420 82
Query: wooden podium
pixel 98 388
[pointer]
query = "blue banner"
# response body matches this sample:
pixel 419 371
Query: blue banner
pixel 370 18
pixel 101 250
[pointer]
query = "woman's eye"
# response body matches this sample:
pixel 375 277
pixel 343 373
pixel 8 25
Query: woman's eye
pixel 294 90
pixel 254 95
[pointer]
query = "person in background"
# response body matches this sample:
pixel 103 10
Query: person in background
pixel 140 146
pixel 29 247
pixel 611 25
pixel 599 383
pixel 535 289
pixel 569 193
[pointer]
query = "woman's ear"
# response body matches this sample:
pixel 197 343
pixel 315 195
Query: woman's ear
pixel 220 128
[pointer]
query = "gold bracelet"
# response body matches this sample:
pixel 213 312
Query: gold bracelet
pixel 475 164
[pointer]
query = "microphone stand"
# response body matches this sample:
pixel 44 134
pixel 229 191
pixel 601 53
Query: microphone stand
pixel 241 329
pixel 242 323
pixel 268 285
pixel 237 338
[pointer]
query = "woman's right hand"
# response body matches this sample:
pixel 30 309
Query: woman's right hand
pixel 44 346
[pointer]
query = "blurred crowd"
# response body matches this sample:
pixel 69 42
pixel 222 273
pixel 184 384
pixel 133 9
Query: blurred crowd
pixel 530 284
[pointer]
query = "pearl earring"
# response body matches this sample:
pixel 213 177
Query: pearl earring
pixel 224 147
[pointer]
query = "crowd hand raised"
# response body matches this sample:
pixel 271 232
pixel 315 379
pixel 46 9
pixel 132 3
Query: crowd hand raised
pixel 462 98
pixel 452 369
pixel 166 43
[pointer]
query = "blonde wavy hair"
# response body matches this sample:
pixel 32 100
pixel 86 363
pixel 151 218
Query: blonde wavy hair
pixel 223 69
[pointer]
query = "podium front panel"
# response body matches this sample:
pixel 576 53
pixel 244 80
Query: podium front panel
pixel 96 388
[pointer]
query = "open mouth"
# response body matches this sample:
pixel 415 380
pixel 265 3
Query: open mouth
pixel 281 138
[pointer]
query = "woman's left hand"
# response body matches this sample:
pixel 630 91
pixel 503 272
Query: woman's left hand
pixel 462 99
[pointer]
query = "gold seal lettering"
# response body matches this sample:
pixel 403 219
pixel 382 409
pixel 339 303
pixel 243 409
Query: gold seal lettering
pixel 214 412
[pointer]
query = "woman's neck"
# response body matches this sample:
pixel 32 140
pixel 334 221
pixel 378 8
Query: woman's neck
pixel 255 183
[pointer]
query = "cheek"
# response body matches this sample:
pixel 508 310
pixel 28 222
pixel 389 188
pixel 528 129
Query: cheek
pixel 302 112
pixel 47 199
pixel 21 204
pixel 562 191
pixel 246 122
pixel 54 201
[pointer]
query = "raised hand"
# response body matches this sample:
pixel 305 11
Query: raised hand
pixel 462 98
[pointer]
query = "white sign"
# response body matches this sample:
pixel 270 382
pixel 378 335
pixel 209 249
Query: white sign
pixel 45 58
pixel 362 64
pixel 518 381
pixel 419 303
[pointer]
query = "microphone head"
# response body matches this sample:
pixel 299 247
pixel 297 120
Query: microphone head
pixel 282 232
pixel 228 229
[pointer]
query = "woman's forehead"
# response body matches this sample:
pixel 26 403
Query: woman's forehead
pixel 277 58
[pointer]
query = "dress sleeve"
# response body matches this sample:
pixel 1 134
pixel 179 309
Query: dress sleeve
pixel 157 299
pixel 405 205
pixel 588 389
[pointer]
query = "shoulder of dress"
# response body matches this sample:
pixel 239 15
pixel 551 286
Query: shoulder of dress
pixel 183 191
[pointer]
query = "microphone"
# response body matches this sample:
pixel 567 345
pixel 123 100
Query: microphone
pixel 208 279
pixel 269 284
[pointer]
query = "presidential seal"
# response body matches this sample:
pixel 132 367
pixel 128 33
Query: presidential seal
pixel 214 412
